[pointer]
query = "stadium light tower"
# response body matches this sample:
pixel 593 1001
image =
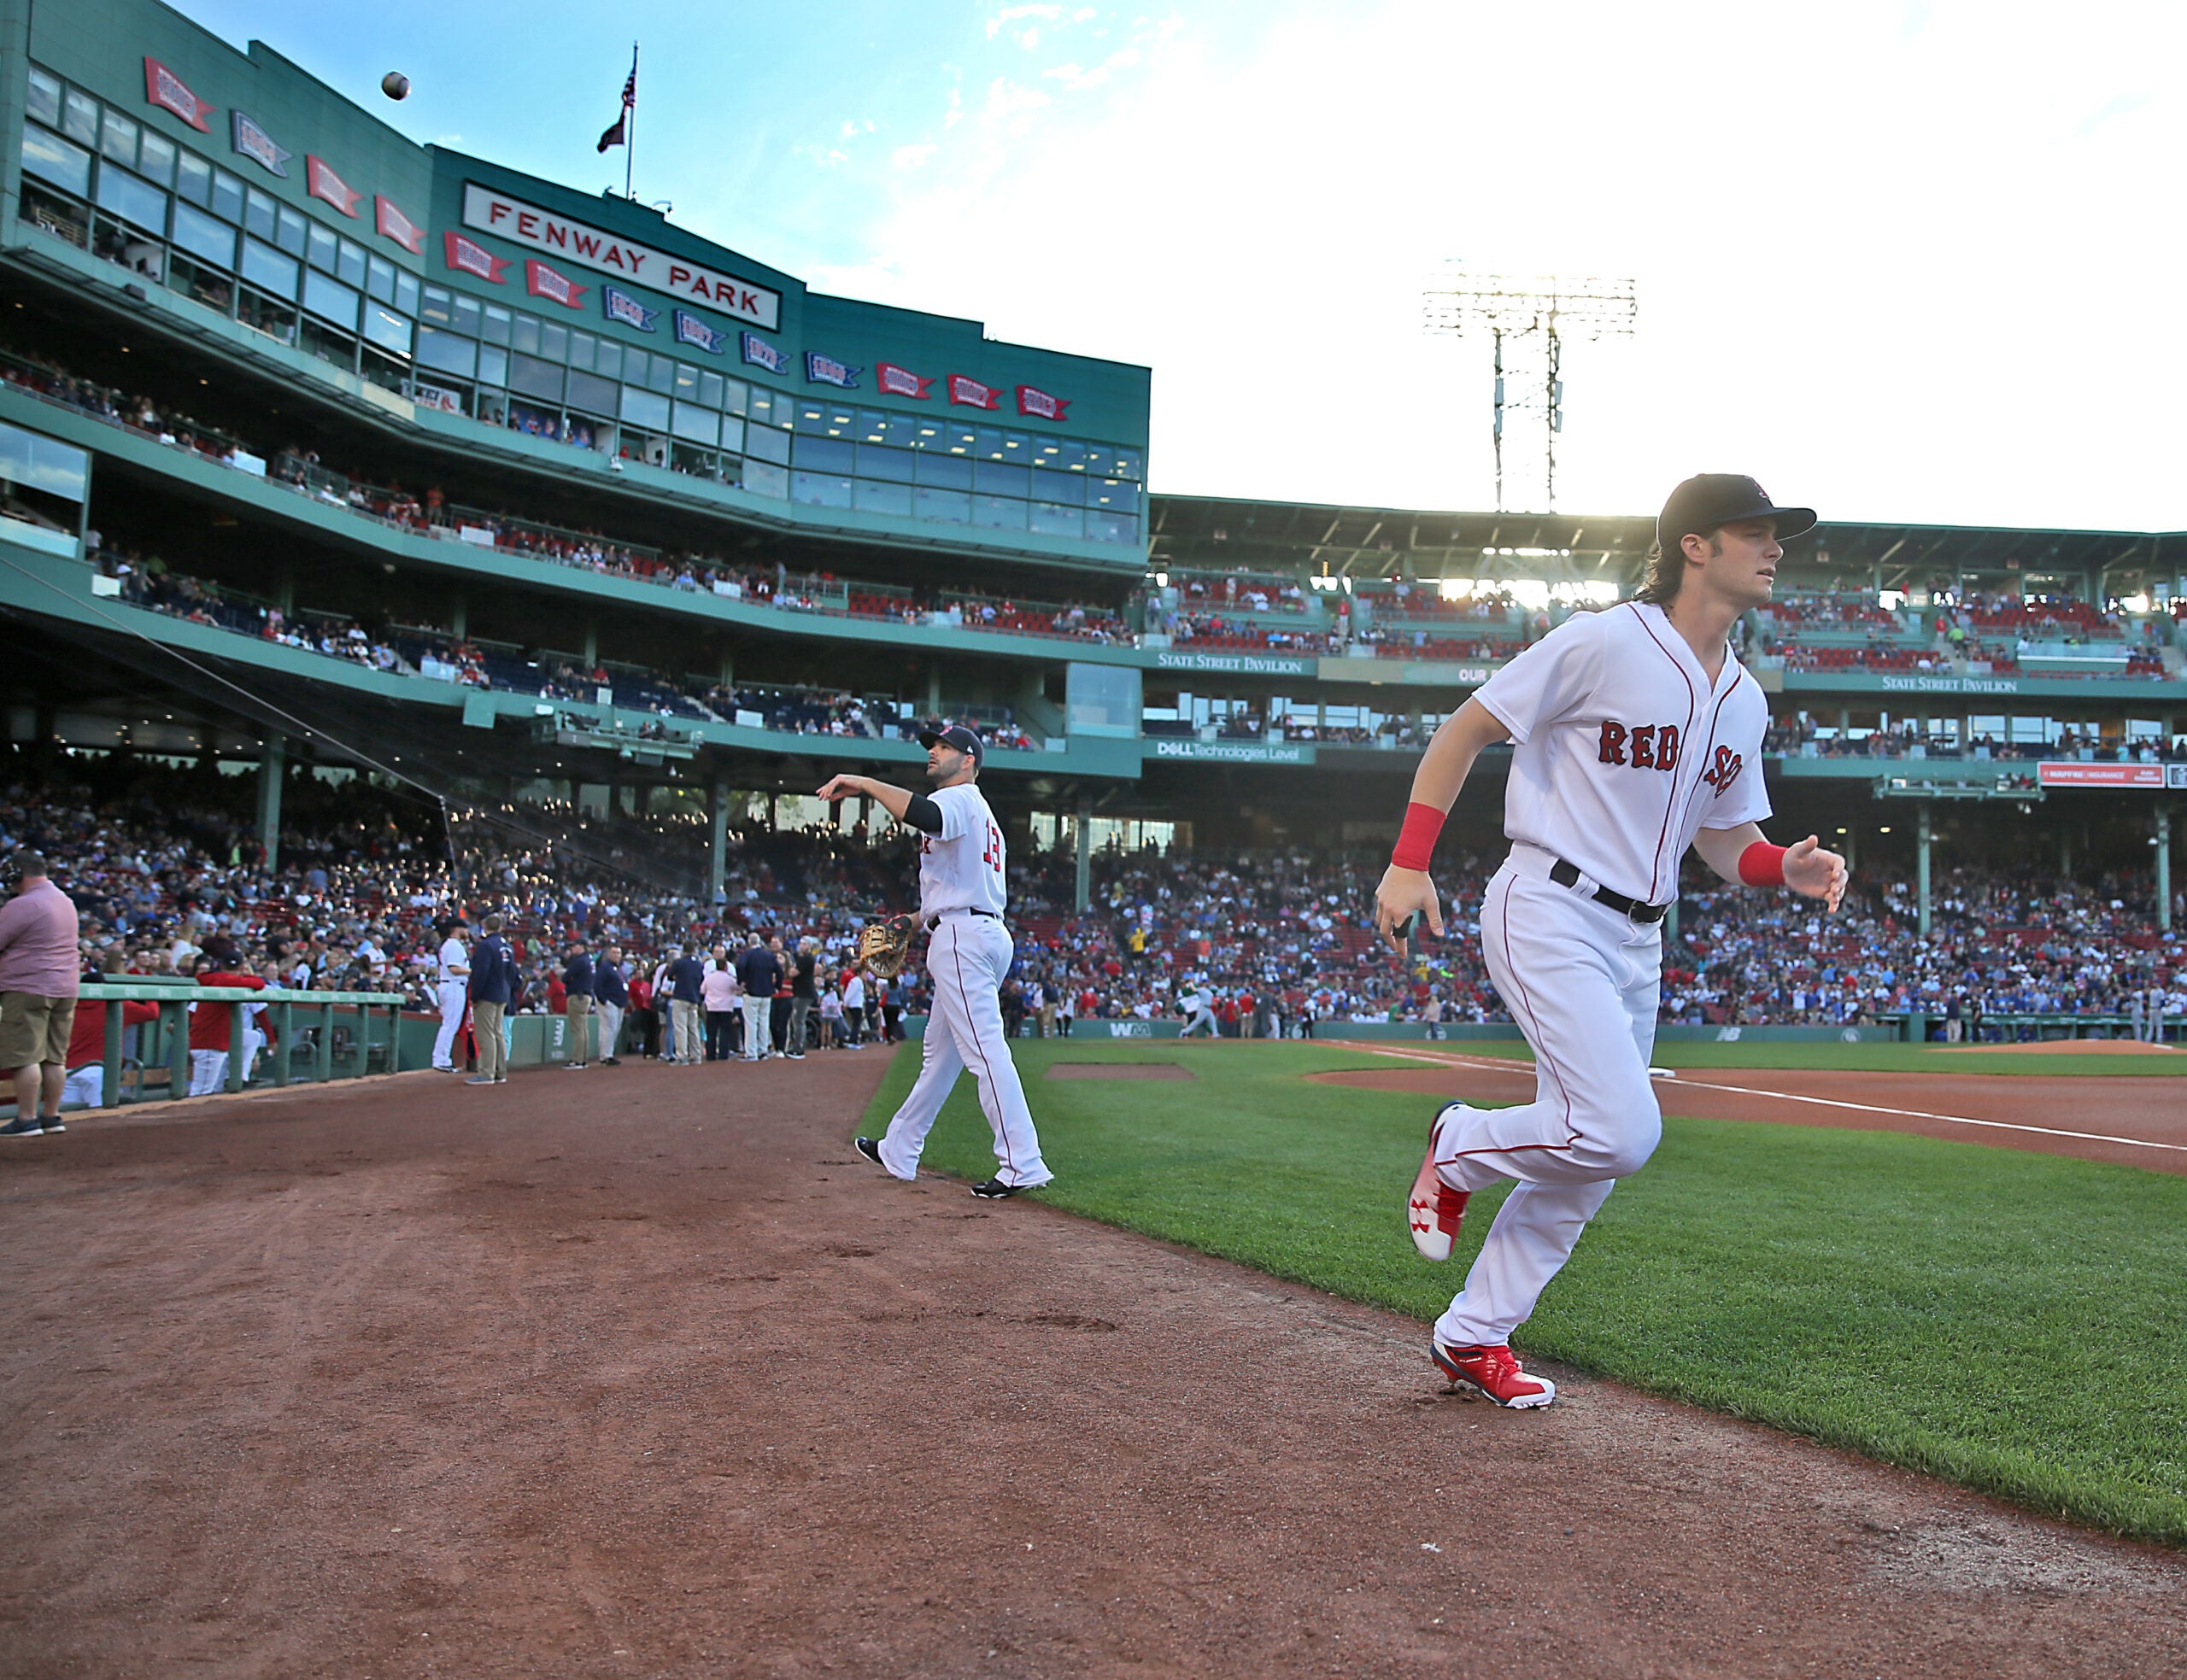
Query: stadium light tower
pixel 1528 321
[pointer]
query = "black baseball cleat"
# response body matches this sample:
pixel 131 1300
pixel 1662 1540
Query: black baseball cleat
pixel 993 1189
pixel 871 1149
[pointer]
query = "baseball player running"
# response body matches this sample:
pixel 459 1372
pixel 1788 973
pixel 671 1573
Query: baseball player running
pixel 1636 735
pixel 967 952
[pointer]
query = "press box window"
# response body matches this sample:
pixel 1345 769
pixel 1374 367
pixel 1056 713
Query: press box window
pixel 379 279
pixel 204 237
pixel 259 214
pixel 388 329
pixel 496 327
pixel 330 299
pixel 443 352
pixel 227 196
pixel 322 249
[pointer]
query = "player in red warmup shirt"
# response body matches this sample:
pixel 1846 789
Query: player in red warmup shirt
pixel 209 1032
pixel 1636 733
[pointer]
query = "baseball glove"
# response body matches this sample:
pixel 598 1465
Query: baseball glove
pixel 885 947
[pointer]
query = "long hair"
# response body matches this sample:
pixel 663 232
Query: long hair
pixel 1666 573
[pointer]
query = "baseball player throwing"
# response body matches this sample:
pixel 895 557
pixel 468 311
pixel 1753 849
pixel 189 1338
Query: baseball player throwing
pixel 1636 733
pixel 967 952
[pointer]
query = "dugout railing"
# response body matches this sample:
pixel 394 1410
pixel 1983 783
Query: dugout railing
pixel 312 1020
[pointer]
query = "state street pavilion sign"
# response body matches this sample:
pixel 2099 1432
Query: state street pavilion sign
pixel 538 229
pixel 1250 665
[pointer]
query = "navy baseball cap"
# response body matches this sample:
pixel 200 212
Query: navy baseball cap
pixel 956 735
pixel 1709 500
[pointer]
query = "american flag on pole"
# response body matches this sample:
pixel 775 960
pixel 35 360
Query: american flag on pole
pixel 614 135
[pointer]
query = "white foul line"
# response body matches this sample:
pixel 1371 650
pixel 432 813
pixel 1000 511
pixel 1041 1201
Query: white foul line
pixel 1501 1065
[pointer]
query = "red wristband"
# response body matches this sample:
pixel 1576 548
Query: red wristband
pixel 1763 865
pixel 1415 846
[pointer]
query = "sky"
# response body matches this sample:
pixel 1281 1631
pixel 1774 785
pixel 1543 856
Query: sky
pixel 1900 260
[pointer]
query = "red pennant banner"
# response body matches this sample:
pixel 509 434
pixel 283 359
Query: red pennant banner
pixel 473 258
pixel 551 284
pixel 1039 405
pixel 398 226
pixel 322 182
pixel 163 88
pixel 972 394
pixel 900 380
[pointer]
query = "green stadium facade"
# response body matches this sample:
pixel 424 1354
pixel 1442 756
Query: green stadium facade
pixel 584 502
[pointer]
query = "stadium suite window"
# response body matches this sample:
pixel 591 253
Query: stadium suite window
pixel 493 366
pixel 643 408
pixel 259 214
pixel 227 196
pixel 117 140
pixel 288 233
pixel 443 351
pixel 268 269
pixel 79 117
pixel 660 375
pixel 593 394
pixel 331 300
pixel 767 443
pixel 388 329
pixel 581 349
pixel 524 335
pixel 205 237
pixel 871 496
pixel 43 102
pixel 528 375
pixel 322 250
pixel 822 454
pixel 607 360
pixel 51 159
pixel 999 512
pixel 695 425
pixel 951 473
pixel 820 489
pixel 554 342
pixel 494 328
pixel 1001 478
pixel 877 460
pixel 379 279
pixel 193 179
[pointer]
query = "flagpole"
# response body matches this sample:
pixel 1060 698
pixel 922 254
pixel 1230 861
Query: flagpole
pixel 631 119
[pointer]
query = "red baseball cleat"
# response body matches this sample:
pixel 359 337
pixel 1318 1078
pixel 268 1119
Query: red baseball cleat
pixel 1434 1210
pixel 1493 1373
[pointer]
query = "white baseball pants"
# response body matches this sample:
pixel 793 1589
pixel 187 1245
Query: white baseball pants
pixel 967 957
pixel 456 997
pixel 1583 982
pixel 1202 1018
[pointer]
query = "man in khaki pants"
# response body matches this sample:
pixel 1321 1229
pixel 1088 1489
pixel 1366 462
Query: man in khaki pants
pixel 39 973
pixel 491 966
pixel 577 982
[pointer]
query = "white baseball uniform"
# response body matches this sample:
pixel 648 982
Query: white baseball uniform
pixel 967 952
pixel 454 997
pixel 1624 750
pixel 1199 1011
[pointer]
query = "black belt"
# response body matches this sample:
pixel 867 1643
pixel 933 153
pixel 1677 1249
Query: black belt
pixel 1567 874
pixel 935 921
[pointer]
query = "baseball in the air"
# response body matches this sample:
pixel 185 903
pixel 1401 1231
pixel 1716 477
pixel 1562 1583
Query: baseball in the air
pixel 394 84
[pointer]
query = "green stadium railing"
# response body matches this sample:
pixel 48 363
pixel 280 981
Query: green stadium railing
pixel 169 1041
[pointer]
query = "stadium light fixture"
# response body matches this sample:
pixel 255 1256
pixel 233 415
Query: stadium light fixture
pixel 1531 317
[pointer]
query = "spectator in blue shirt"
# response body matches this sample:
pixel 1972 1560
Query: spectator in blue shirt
pixel 577 1007
pixel 493 985
pixel 686 981
pixel 611 995
pixel 759 971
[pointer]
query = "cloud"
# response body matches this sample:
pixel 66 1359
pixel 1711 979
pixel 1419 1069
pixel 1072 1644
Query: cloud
pixel 912 157
pixel 1010 14
pixel 827 157
pixel 1073 77
pixel 1893 326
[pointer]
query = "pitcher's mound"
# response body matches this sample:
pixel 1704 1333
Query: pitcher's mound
pixel 1119 1070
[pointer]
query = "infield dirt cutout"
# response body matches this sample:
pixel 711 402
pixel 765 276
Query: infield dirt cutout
pixel 648 1374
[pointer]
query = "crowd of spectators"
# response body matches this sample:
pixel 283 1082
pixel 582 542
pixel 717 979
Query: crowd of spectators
pixel 163 866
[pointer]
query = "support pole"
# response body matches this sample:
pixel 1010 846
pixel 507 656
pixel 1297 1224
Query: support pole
pixel 459 619
pixel 1922 868
pixel 272 762
pixel 2164 868
pixel 1082 894
pixel 717 852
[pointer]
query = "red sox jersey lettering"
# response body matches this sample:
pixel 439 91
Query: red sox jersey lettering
pixel 1624 748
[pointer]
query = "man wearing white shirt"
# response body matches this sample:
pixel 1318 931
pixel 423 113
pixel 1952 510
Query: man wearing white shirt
pixel 454 992
pixel 962 870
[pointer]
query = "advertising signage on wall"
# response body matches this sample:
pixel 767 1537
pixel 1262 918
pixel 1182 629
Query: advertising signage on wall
pixel 523 224
pixel 1951 685
pixel 2073 773
pixel 1233 752
pixel 1252 664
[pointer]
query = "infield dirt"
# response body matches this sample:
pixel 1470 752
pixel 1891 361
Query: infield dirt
pixel 648 1374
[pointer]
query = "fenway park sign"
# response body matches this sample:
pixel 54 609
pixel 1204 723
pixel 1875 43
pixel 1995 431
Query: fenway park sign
pixel 590 247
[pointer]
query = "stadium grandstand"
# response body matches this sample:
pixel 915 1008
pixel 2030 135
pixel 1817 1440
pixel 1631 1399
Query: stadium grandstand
pixel 384 530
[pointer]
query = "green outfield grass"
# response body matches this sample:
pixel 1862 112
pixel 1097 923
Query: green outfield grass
pixel 1887 1058
pixel 2008 1321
